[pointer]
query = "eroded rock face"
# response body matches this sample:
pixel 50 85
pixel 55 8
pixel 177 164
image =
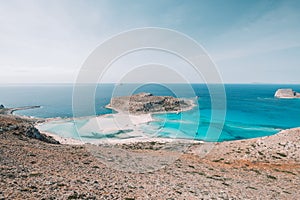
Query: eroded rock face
pixel 287 94
pixel 143 103
pixel 17 126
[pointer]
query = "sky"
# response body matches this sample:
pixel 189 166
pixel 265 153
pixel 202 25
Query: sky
pixel 249 41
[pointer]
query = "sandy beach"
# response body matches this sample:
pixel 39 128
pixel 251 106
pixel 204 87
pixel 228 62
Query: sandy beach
pixel 104 126
pixel 112 123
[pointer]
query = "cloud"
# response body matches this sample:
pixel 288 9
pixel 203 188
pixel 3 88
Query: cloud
pixel 276 29
pixel 57 36
pixel 40 33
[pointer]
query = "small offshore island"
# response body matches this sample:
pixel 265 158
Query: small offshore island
pixel 35 166
pixel 144 103
pixel 287 94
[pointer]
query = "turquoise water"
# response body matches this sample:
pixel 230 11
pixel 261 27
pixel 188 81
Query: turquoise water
pixel 252 111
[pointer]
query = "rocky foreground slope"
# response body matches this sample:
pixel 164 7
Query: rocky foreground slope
pixel 263 168
pixel 22 128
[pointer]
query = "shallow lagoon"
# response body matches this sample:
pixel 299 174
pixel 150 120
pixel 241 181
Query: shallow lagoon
pixel 252 111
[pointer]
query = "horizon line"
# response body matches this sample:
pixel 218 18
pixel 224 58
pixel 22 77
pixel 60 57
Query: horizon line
pixel 225 83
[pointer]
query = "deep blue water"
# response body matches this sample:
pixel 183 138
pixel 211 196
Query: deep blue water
pixel 252 111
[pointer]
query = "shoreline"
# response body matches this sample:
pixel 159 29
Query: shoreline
pixel 106 119
pixel 129 141
pixel 10 111
pixel 135 120
pixel 135 136
pixel 62 140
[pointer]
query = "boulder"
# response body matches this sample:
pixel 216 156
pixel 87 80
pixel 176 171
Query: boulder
pixel 32 132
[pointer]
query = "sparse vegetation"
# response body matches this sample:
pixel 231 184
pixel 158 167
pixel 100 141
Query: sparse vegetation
pixel 271 177
pixel 282 154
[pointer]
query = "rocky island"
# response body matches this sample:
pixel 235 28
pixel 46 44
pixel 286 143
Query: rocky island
pixel 287 94
pixel 144 103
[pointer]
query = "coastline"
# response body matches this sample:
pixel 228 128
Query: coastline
pixel 126 121
pixel 135 120
pixel 135 135
pixel 62 140
pixel 108 126
pixel 10 111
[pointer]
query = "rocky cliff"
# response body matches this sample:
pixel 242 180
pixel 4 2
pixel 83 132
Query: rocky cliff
pixel 143 103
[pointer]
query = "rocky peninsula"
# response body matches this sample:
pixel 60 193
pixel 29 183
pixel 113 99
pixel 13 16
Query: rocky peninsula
pixel 4 110
pixel 144 103
pixel 287 94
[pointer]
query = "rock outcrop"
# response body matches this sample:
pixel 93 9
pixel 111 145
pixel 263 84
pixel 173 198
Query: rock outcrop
pixel 22 128
pixel 143 103
pixel 287 94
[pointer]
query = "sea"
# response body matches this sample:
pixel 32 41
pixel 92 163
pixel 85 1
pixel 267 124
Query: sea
pixel 250 111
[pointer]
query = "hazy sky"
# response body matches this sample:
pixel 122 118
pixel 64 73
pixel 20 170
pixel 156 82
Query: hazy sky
pixel 250 41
